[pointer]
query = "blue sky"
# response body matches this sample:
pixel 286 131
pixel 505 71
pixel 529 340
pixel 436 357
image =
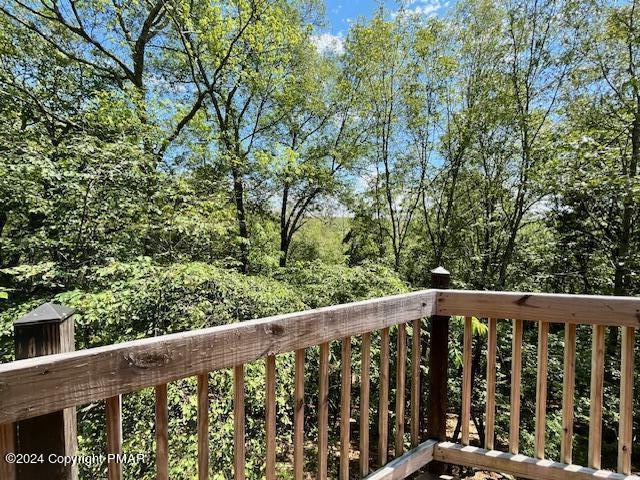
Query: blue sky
pixel 341 13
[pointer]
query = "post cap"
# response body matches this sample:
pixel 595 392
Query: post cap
pixel 46 313
pixel 440 271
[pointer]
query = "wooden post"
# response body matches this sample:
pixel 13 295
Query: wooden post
pixel 438 369
pixel 47 330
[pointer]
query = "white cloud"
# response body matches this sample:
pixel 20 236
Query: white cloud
pixel 422 8
pixel 428 9
pixel 328 43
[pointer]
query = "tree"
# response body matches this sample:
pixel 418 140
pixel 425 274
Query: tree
pixel 259 47
pixel 615 56
pixel 120 43
pixel 317 143
pixel 380 56
pixel 540 50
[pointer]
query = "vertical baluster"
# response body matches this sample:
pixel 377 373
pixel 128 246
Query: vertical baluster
pixel 114 435
pixel 162 433
pixel 492 343
pixel 271 417
pixel 466 379
pixel 415 383
pixel 7 445
pixel 364 404
pixel 323 412
pixel 238 423
pixel 298 417
pixel 383 409
pixel 203 426
pixel 401 360
pixel 626 401
pixel 568 385
pixel 541 388
pixel 345 408
pixel 597 386
pixel 516 371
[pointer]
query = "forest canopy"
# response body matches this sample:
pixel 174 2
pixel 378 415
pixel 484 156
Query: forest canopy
pixel 500 140
pixel 172 164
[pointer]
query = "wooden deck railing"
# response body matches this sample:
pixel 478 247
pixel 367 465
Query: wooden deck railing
pixel 570 310
pixel 38 386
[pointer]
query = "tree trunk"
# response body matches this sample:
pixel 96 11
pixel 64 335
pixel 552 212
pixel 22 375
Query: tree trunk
pixel 621 255
pixel 238 196
pixel 284 231
pixel 3 222
pixel 284 248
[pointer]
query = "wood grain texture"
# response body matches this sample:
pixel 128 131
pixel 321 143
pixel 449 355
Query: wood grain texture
pixel 518 465
pixel 323 412
pixel 7 445
pixel 438 381
pixel 548 307
pixel 383 408
pixel 162 433
pixel 416 360
pixel 595 403
pixel 516 374
pixel 406 464
pixel 365 388
pixel 238 423
pixel 345 408
pixel 466 379
pixel 490 415
pixel 625 427
pixel 114 435
pixel 270 408
pixel 541 388
pixel 31 340
pixel 568 388
pixel 107 371
pixel 298 417
pixel 203 426
pixel 438 405
pixel 104 372
pixel 401 366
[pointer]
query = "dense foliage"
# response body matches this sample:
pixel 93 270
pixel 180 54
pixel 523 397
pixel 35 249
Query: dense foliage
pixel 168 165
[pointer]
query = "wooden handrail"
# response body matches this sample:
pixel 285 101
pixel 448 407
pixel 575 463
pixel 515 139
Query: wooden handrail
pixel 548 307
pixel 41 385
